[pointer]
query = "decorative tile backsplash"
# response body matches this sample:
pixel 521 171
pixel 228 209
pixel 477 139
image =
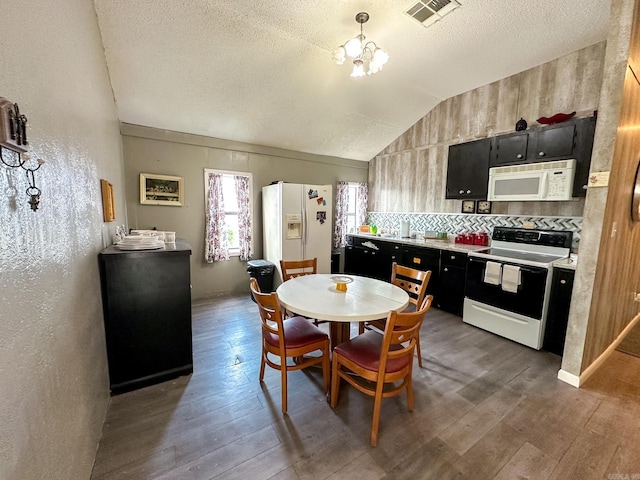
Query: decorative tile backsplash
pixel 453 223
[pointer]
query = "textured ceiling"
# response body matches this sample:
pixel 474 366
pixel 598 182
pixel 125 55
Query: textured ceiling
pixel 261 72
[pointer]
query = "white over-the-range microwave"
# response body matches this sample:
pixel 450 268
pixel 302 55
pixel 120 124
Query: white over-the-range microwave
pixel 545 181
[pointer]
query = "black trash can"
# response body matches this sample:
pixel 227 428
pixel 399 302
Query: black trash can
pixel 262 271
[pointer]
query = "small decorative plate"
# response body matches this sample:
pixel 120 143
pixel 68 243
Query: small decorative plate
pixel 341 279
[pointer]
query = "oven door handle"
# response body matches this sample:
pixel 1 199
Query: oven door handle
pixel 498 314
pixel 501 262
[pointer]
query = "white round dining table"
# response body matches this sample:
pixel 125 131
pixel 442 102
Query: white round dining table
pixel 316 296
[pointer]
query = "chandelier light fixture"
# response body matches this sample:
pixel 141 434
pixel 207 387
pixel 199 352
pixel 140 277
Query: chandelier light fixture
pixel 367 57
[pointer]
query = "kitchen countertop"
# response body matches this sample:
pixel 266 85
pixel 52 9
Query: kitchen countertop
pixel 439 244
pixel 567 263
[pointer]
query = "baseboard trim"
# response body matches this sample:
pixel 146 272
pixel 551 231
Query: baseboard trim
pixel 575 380
pixel 569 378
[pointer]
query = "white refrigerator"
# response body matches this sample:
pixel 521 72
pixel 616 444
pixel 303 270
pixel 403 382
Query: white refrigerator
pixel 296 224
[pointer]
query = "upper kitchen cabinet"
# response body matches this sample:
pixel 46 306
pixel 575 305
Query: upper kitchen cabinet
pixel 571 139
pixel 557 141
pixel 538 145
pixel 509 149
pixel 468 169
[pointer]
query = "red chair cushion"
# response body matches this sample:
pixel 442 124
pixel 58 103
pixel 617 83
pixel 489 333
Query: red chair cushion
pixel 365 351
pixel 298 332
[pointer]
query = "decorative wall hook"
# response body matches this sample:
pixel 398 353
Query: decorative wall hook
pixel 14 144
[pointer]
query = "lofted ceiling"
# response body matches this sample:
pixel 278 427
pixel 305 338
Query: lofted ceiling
pixel 261 72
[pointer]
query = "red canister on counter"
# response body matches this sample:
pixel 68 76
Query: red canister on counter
pixel 460 238
pixel 482 238
pixel 470 238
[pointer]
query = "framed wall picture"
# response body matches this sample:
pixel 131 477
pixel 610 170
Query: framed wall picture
pixel 108 204
pixel 468 206
pixel 483 207
pixel 161 190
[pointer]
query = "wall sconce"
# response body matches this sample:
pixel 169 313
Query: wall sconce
pixel 13 143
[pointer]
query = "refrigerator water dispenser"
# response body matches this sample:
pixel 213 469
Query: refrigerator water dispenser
pixel 294 226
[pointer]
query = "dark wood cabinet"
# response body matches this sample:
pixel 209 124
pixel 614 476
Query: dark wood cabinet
pixel 450 297
pixel 537 145
pixel 558 313
pixel 557 141
pixel 448 267
pixel 510 149
pixel 423 258
pixel 571 139
pixel 468 169
pixel 146 297
pixel 370 257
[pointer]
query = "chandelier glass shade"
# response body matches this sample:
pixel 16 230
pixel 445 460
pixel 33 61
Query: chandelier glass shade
pixel 367 57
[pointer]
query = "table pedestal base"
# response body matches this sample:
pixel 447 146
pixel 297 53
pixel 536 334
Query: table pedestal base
pixel 339 332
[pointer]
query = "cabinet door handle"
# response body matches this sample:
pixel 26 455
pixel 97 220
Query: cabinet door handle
pixel 519 156
pixel 563 282
pixel 461 192
pixel 453 257
pixel 468 191
pixel 446 269
pixel 541 154
pixel 584 187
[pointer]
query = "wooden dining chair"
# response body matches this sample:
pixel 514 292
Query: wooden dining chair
pixel 370 361
pixel 414 282
pixel 297 268
pixel 288 338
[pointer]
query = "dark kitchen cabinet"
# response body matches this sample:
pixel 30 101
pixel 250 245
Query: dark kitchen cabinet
pixel 448 267
pixel 468 169
pixel 424 259
pixel 370 257
pixel 558 313
pixel 510 149
pixel 146 299
pixel 570 139
pixel 556 141
pixel 537 145
pixel 453 269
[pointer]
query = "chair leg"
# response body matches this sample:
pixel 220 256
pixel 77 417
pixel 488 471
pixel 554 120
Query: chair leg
pixel 283 372
pixel 418 350
pixel 326 367
pixel 360 328
pixel 377 405
pixel 262 365
pixel 335 381
pixel 410 394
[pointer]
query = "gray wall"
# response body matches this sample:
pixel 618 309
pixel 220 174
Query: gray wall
pixel 148 150
pixel 410 174
pixel 53 371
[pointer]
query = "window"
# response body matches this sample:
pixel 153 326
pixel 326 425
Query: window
pixel 352 211
pixel 231 213
pixel 227 214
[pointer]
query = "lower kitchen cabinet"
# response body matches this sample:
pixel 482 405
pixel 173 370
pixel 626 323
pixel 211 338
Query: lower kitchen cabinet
pixel 450 296
pixel 146 298
pixel 558 314
pixel 370 258
pixel 374 258
pixel 424 259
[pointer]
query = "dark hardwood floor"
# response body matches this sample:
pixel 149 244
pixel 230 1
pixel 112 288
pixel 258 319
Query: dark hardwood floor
pixel 485 408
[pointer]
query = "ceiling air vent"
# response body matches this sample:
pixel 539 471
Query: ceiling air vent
pixel 429 12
